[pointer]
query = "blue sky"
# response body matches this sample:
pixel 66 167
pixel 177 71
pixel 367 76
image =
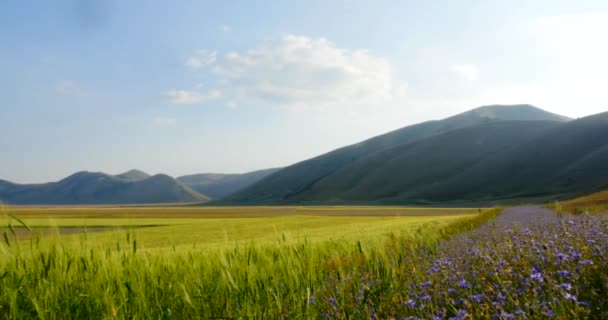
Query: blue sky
pixel 184 87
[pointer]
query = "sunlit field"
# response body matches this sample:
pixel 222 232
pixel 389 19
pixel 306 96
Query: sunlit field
pixel 195 262
pixel 228 226
pixel 309 263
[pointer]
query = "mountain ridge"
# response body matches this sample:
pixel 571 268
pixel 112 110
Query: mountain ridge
pixel 302 175
pixel 86 187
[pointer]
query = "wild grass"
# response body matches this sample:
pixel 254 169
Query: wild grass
pixel 522 264
pixel 121 275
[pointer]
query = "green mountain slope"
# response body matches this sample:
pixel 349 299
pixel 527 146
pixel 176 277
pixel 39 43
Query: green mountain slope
pixel 570 159
pixel 287 184
pixel 399 174
pixel 100 188
pixel 218 185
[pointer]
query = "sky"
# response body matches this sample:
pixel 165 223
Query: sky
pixel 182 87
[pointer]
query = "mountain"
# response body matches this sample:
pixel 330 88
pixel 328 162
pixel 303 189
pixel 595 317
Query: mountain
pixel 218 185
pixel 132 175
pixel 324 179
pixel 400 174
pixel 567 160
pixel 100 188
pixel 523 112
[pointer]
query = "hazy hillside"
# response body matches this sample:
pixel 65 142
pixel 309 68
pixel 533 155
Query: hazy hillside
pixel 100 188
pixel 491 153
pixel 218 185
pixel 291 183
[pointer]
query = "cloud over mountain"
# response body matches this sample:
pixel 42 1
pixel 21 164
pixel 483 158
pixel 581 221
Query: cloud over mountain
pixel 302 72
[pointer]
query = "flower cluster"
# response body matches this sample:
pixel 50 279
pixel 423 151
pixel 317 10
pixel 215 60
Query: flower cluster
pixel 529 263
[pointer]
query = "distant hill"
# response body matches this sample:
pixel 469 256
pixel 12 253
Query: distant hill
pixel 374 170
pixel 218 185
pixel 100 188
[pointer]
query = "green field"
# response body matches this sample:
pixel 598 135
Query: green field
pixel 591 203
pixel 230 226
pixel 182 263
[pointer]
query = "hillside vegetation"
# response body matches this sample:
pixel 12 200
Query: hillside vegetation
pixel 593 203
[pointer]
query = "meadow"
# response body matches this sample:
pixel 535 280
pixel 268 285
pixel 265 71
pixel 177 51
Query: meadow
pixel 592 203
pixel 217 227
pixel 305 263
pixel 189 262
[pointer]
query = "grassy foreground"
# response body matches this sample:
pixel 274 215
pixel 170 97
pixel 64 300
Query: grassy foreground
pixel 163 272
pixel 593 203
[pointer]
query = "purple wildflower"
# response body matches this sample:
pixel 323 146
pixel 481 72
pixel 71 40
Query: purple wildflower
pixel 536 275
pixel 463 283
pixel 411 303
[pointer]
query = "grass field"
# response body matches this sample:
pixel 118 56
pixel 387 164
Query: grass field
pixel 226 226
pixel 188 263
pixel 302 263
pixel 593 203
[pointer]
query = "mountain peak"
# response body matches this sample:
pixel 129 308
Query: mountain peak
pixel 515 112
pixel 161 177
pixel 133 175
pixel 84 175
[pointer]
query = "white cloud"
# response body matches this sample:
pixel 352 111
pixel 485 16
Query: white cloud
pixel 164 121
pixel 298 72
pixel 191 97
pixel 468 72
pixel 402 90
pixel 201 59
pixel 226 28
pixel 577 40
pixel 573 46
